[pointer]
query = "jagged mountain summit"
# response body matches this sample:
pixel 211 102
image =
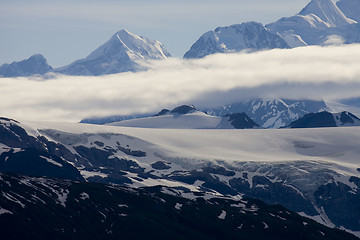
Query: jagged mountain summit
pixel 270 112
pixel 316 24
pixel 249 35
pixel 36 64
pixel 121 53
pixel 326 119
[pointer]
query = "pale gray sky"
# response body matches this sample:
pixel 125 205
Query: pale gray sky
pixel 66 30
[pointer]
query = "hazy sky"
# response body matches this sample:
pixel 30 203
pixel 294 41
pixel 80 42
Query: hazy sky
pixel 66 30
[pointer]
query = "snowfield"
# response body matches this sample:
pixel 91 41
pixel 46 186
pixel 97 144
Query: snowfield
pixel 333 145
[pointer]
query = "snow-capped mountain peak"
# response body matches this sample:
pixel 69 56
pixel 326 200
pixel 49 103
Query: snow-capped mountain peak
pixel 136 47
pixel 317 23
pixel 327 11
pixel 121 53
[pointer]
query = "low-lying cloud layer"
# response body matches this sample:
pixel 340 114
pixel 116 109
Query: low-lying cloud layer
pixel 307 72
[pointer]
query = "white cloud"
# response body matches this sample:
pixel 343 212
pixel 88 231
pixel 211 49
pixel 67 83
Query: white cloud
pixel 334 40
pixel 307 72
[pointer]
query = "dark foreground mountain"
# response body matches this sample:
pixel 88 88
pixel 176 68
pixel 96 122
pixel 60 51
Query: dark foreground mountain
pixel 308 171
pixel 42 208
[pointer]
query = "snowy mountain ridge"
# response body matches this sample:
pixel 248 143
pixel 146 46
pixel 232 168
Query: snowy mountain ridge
pixel 318 23
pixel 244 36
pixel 315 24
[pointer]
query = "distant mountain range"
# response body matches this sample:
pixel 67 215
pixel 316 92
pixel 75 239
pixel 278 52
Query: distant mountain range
pixel 267 113
pixel 123 52
pixel 277 113
pixel 188 117
pixel 321 22
pixel 270 112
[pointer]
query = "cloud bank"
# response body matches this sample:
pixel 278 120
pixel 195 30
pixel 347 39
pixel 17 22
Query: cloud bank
pixel 308 72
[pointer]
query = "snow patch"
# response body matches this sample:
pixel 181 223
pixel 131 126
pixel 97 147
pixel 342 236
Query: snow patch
pixel 49 160
pixel 265 225
pixel 178 206
pixel 4 211
pixel 88 174
pixel 62 197
pixel 84 196
pixel 222 215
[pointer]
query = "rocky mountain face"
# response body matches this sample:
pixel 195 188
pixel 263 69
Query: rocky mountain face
pixel 241 121
pixel 249 35
pixel 271 113
pixel 43 208
pixel 36 64
pixel 326 119
pixel 183 109
pixel 312 188
pixel 33 155
pixel 351 8
pixel 121 53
